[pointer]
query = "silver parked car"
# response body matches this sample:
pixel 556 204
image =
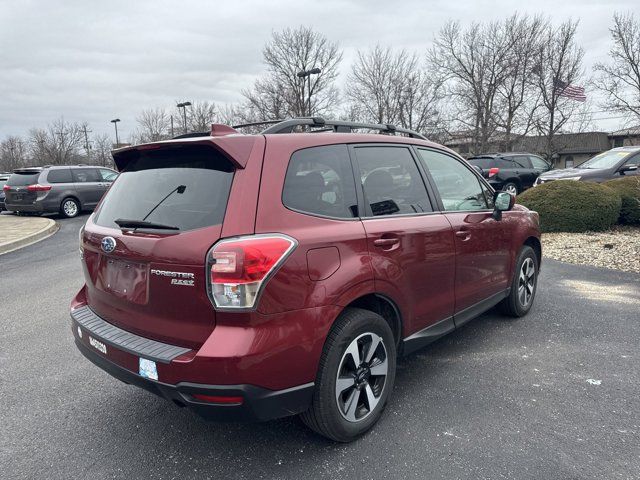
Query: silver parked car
pixel 57 189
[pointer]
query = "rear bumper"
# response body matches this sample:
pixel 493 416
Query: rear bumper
pixel 258 404
pixel 31 207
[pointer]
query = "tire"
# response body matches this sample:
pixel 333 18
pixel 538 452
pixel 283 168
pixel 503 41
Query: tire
pixel 329 414
pixel 70 207
pixel 511 187
pixel 523 285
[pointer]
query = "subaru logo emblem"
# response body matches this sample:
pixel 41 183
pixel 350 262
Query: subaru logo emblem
pixel 108 244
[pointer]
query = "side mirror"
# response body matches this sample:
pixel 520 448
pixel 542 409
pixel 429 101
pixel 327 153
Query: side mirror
pixel 627 168
pixel 503 202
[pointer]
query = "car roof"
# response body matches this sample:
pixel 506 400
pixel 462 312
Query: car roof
pixel 628 148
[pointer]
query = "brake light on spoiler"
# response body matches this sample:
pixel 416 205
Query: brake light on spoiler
pixel 239 268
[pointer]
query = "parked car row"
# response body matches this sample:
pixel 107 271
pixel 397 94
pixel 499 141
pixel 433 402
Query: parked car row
pixel 56 189
pixel 515 172
pixel 614 163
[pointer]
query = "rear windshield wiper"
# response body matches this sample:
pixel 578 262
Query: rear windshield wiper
pixel 125 223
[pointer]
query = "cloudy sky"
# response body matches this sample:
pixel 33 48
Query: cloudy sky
pixel 94 61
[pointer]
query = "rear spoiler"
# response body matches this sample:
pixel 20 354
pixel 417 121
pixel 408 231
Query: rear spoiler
pixel 236 147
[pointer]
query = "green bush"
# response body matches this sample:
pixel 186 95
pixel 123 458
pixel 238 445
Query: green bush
pixel 629 190
pixel 573 206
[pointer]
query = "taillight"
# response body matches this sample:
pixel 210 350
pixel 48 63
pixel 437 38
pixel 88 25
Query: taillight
pixel 39 188
pixel 6 188
pixel 238 268
pixel 493 171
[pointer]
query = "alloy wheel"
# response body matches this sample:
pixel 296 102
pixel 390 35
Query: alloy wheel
pixel 70 208
pixel 361 377
pixel 511 188
pixel 526 282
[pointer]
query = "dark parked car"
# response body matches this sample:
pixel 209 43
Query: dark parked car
pixel 259 276
pixel 51 189
pixel 615 163
pixel 510 172
pixel 3 180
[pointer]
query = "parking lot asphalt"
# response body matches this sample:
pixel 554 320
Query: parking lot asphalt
pixel 555 395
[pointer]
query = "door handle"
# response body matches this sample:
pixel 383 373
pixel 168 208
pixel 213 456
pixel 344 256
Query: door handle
pixel 463 235
pixel 386 242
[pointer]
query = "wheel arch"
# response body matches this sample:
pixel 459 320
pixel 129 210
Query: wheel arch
pixel 383 306
pixel 534 243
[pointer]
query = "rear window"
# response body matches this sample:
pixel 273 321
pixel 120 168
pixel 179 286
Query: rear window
pixel 25 178
pixel 187 188
pixel 59 175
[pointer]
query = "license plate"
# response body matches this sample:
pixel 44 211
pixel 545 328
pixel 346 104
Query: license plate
pixel 148 369
pixel 17 197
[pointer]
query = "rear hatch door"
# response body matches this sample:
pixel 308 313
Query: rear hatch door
pixel 17 192
pixel 146 245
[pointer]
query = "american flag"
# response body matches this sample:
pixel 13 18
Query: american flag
pixel 563 89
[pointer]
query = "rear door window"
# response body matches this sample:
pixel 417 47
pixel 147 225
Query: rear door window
pixel 59 175
pixel 320 181
pixel 187 188
pixel 391 181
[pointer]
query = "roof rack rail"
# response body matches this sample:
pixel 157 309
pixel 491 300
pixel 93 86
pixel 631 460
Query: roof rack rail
pixel 255 124
pixel 338 126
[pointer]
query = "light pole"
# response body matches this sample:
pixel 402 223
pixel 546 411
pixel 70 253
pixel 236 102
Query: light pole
pixel 307 74
pixel 115 124
pixel 184 106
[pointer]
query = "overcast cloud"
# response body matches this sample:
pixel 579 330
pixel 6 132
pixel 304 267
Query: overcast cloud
pixel 94 61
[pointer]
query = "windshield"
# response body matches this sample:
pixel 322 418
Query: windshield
pixel 605 160
pixel 185 188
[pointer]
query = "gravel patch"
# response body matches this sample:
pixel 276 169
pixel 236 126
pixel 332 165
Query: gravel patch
pixel 618 248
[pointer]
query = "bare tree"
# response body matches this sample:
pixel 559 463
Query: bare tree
pixel 472 65
pixel 57 144
pixel 388 87
pixel 153 125
pixel 558 59
pixel 13 153
pixel 201 115
pixel 619 79
pixel 517 98
pixel 102 150
pixel 281 92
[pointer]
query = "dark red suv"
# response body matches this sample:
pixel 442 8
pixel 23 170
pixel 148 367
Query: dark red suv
pixel 260 276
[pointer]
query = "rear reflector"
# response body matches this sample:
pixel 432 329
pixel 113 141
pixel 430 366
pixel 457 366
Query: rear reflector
pixel 493 171
pixel 240 267
pixel 217 399
pixel 39 188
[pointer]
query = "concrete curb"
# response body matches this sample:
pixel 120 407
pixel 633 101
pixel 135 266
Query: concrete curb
pixel 45 232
